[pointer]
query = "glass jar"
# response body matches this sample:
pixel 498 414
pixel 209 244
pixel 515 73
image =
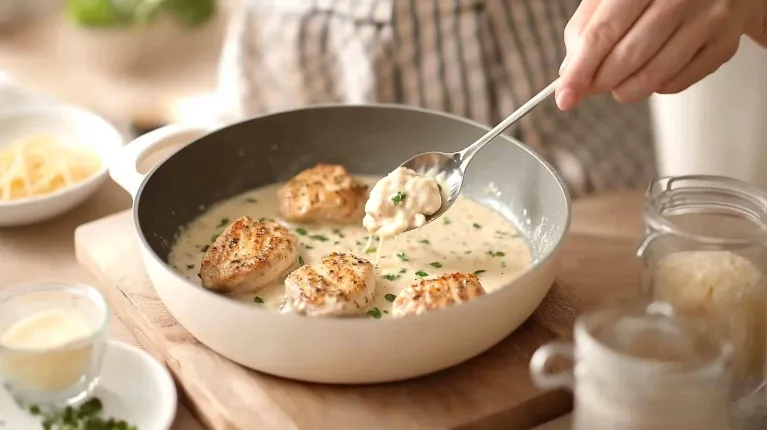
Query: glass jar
pixel 704 251
pixel 642 368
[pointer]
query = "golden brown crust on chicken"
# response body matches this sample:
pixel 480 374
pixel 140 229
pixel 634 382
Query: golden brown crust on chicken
pixel 439 293
pixel 248 256
pixel 324 193
pixel 337 285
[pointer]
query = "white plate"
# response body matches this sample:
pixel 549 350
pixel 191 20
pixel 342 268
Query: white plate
pixel 133 387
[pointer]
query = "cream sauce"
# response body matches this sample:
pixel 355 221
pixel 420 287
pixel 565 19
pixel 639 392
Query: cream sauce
pixel 399 202
pixel 469 238
pixel 53 364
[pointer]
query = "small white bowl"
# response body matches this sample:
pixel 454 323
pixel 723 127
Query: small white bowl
pixel 68 124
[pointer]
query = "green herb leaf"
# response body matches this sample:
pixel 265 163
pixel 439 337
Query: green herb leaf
pixel 338 233
pixel 319 237
pixel 467 252
pixel 390 297
pixel 402 256
pixel 424 241
pixel 190 266
pixel 258 300
pixel 421 273
pixel 477 272
pixel 301 231
pixel 398 198
pixel 251 200
pixel 392 276
pixel 300 260
pixel 496 254
pixel 436 264
pixel 223 222
pixel 205 248
pixel 446 221
pixel 375 313
pixel 402 270
pixel 477 226
pixel 308 246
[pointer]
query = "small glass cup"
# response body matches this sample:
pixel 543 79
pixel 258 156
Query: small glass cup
pixel 52 342
pixel 641 367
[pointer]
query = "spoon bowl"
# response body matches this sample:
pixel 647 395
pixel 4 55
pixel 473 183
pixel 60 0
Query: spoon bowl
pixel 448 168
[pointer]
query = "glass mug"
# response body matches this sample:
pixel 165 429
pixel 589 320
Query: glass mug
pixel 641 367
pixel 52 342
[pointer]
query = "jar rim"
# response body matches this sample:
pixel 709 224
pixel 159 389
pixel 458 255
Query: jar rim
pixel 732 186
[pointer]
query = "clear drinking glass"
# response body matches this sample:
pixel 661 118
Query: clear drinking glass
pixel 38 365
pixel 642 368
pixel 705 251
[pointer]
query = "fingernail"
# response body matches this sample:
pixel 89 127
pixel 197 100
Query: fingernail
pixel 564 64
pixel 566 99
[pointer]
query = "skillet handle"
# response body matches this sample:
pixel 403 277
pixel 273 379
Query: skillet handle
pixel 125 170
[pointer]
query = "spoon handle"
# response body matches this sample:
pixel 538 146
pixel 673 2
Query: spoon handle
pixel 468 153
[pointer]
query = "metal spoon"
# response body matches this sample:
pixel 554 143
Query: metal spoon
pixel 449 167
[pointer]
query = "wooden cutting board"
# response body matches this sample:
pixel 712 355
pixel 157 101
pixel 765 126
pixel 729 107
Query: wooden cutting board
pixel 491 391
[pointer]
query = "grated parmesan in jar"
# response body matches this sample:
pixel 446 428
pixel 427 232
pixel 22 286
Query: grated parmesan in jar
pixel 723 286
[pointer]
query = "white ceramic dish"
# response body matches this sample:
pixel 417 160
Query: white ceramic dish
pixel 372 140
pixel 133 387
pixel 68 124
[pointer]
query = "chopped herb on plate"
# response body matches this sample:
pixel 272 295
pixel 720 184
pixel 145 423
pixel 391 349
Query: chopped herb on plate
pixel 390 297
pixel 300 260
pixel 375 313
pixel 301 231
pixel 477 226
pixel 251 200
pixel 258 300
pixel 424 241
pixel 223 222
pixel 190 266
pixel 477 272
pixel 496 254
pixel 421 273
pixel 319 237
pixel 402 256
pixel 436 264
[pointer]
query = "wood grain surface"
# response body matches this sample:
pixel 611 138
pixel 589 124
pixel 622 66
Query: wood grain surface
pixel 490 391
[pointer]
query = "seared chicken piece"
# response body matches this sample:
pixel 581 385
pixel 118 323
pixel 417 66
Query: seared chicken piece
pixel 324 193
pixel 248 256
pixel 338 285
pixel 438 293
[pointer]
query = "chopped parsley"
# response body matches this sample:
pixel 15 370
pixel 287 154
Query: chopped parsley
pixel 223 222
pixel 446 221
pixel 213 238
pixel 307 246
pixel 392 276
pixel 190 266
pixel 477 272
pixel 477 226
pixel 301 231
pixel 205 248
pixel 258 300
pixel 390 297
pixel 421 273
pixel 424 241
pixel 398 198
pixel 467 252
pixel 436 264
pixel 86 416
pixel 251 200
pixel 402 270
pixel 319 237
pixel 300 260
pixel 402 256
pixel 375 313
pixel 338 233
pixel 496 254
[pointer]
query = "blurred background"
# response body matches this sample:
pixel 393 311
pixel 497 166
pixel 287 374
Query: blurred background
pixel 140 63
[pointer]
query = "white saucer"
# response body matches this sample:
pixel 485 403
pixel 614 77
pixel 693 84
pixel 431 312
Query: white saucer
pixel 133 387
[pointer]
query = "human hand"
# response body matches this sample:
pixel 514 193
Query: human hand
pixel 634 48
